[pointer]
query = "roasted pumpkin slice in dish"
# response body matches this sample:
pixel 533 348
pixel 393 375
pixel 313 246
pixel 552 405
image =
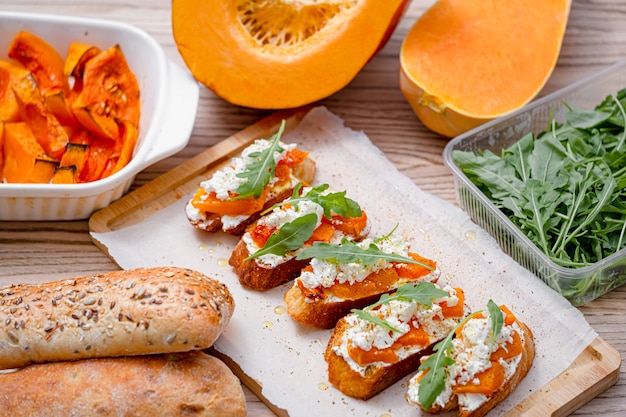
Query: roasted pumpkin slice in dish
pixel 109 95
pixel 265 173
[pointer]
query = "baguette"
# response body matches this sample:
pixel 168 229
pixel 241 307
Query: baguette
pixel 364 357
pixel 174 384
pixel 484 369
pixel 218 203
pixel 131 312
pixel 325 216
pixel 328 288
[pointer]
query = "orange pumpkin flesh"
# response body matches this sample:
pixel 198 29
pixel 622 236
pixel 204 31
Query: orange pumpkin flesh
pixel 280 54
pixel 46 142
pixel 465 62
pixel 10 73
pixel 42 60
pixel 109 95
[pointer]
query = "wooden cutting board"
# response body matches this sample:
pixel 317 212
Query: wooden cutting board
pixel 593 371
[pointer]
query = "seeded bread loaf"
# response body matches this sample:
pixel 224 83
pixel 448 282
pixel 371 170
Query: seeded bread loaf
pixel 175 384
pixel 131 312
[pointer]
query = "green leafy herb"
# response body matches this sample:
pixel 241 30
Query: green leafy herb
pixel 290 236
pixel 349 252
pixel 434 381
pixel 565 189
pixel 259 173
pixel 497 318
pixel 336 203
pixel 421 292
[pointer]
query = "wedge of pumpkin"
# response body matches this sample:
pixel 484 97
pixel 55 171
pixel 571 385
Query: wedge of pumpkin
pixel 280 54
pixel 465 62
pixel 10 74
pixel 109 95
pixel 25 160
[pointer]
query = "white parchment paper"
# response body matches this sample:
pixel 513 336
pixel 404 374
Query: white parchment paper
pixel 287 358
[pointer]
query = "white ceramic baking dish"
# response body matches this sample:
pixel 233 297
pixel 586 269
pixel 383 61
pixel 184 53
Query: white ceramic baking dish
pixel 169 101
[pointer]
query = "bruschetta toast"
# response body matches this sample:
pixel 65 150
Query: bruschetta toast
pixel 266 255
pixel 477 366
pixel 352 275
pixel 234 196
pixel 371 349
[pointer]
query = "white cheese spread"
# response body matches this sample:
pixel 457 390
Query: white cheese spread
pixel 401 315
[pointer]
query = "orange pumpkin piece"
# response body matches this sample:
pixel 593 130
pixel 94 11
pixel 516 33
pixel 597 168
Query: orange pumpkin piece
pixel 352 226
pixel 25 159
pixel 414 337
pixel 280 54
pixel 44 125
pixel 78 54
pixel 64 175
pixel 1 150
pixel 123 150
pixel 10 73
pixel 457 310
pixel 489 381
pixel 75 155
pixel 243 206
pixel 376 283
pixel 42 60
pixel 415 271
pixel 465 62
pixel 109 96
pixel 100 151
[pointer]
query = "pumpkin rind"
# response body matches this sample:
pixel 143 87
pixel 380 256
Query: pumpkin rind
pixel 465 62
pixel 280 54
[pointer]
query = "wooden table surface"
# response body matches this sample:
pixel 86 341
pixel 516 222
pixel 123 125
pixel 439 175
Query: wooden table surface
pixel 595 38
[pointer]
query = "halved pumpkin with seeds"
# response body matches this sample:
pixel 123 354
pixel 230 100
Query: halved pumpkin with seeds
pixel 283 53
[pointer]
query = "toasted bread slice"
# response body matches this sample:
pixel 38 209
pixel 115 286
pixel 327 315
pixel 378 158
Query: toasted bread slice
pixel 364 358
pixel 238 214
pixel 257 276
pixel 267 254
pixel 327 290
pixel 474 383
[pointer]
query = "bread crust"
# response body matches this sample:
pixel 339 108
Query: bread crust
pixel 376 379
pixel 322 314
pixel 212 222
pixel 119 313
pixel 256 277
pixel 176 384
pixel 526 361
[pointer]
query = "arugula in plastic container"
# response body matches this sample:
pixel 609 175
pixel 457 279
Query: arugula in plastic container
pixel 565 187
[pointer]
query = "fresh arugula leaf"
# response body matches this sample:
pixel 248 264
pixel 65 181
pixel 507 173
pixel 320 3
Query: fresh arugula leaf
pixel 349 252
pixel 434 381
pixel 290 236
pixel 367 316
pixel 421 292
pixel 497 318
pixel 336 203
pixel 259 173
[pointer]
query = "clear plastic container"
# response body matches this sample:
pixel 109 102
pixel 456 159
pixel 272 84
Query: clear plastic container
pixel 578 285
